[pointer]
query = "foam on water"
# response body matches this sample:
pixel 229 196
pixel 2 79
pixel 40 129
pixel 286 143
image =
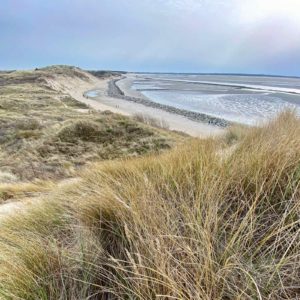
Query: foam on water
pixel 242 105
pixel 242 108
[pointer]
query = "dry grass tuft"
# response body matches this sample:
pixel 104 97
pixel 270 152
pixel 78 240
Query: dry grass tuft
pixel 186 224
pixel 18 190
pixel 146 119
pixel 235 133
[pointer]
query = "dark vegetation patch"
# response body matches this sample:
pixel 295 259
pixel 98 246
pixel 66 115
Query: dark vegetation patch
pixel 105 74
pixel 71 102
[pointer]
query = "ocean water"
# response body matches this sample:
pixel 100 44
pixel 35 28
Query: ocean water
pixel 259 100
pixel 93 93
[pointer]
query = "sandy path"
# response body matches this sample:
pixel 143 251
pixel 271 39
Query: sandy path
pixel 18 205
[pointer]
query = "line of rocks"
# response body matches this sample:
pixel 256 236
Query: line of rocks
pixel 115 92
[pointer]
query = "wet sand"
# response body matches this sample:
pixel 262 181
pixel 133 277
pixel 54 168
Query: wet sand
pixel 174 121
pixel 79 89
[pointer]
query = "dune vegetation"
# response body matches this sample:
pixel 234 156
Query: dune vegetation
pixel 45 134
pixel 214 218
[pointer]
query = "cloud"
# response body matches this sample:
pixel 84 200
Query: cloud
pixel 163 35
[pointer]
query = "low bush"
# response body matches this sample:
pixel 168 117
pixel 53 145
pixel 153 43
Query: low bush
pixel 83 130
pixel 28 124
pixel 71 102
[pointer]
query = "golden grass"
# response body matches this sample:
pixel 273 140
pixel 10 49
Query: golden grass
pixel 186 224
pixel 152 121
pixel 24 189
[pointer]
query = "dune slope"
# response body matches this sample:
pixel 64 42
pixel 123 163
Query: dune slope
pixel 211 219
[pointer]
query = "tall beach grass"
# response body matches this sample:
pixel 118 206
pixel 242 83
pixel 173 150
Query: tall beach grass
pixel 191 223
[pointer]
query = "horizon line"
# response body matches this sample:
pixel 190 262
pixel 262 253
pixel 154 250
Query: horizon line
pixel 161 72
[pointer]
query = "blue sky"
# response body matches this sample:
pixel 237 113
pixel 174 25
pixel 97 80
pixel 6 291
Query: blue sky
pixel 246 36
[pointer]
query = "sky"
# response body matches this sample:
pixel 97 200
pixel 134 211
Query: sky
pixel 231 36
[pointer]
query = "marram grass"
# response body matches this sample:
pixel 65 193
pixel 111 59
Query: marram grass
pixel 211 219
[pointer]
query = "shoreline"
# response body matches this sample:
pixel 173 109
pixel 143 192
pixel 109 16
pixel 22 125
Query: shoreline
pixel 78 89
pixel 176 122
pixel 115 91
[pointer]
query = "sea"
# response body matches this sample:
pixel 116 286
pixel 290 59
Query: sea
pixel 245 99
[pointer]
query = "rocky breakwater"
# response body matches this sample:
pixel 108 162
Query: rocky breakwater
pixel 115 92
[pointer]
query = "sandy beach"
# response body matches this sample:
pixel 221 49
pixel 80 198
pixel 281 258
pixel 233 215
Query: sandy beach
pixel 78 88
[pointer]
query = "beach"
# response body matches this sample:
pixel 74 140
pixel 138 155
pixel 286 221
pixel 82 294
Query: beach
pixel 221 100
pixel 98 88
pixel 196 107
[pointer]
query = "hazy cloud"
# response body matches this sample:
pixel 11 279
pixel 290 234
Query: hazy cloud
pixel 258 36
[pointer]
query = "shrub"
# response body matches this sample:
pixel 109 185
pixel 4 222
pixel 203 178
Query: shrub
pixel 28 124
pixel 83 130
pixel 71 102
pixel 28 134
